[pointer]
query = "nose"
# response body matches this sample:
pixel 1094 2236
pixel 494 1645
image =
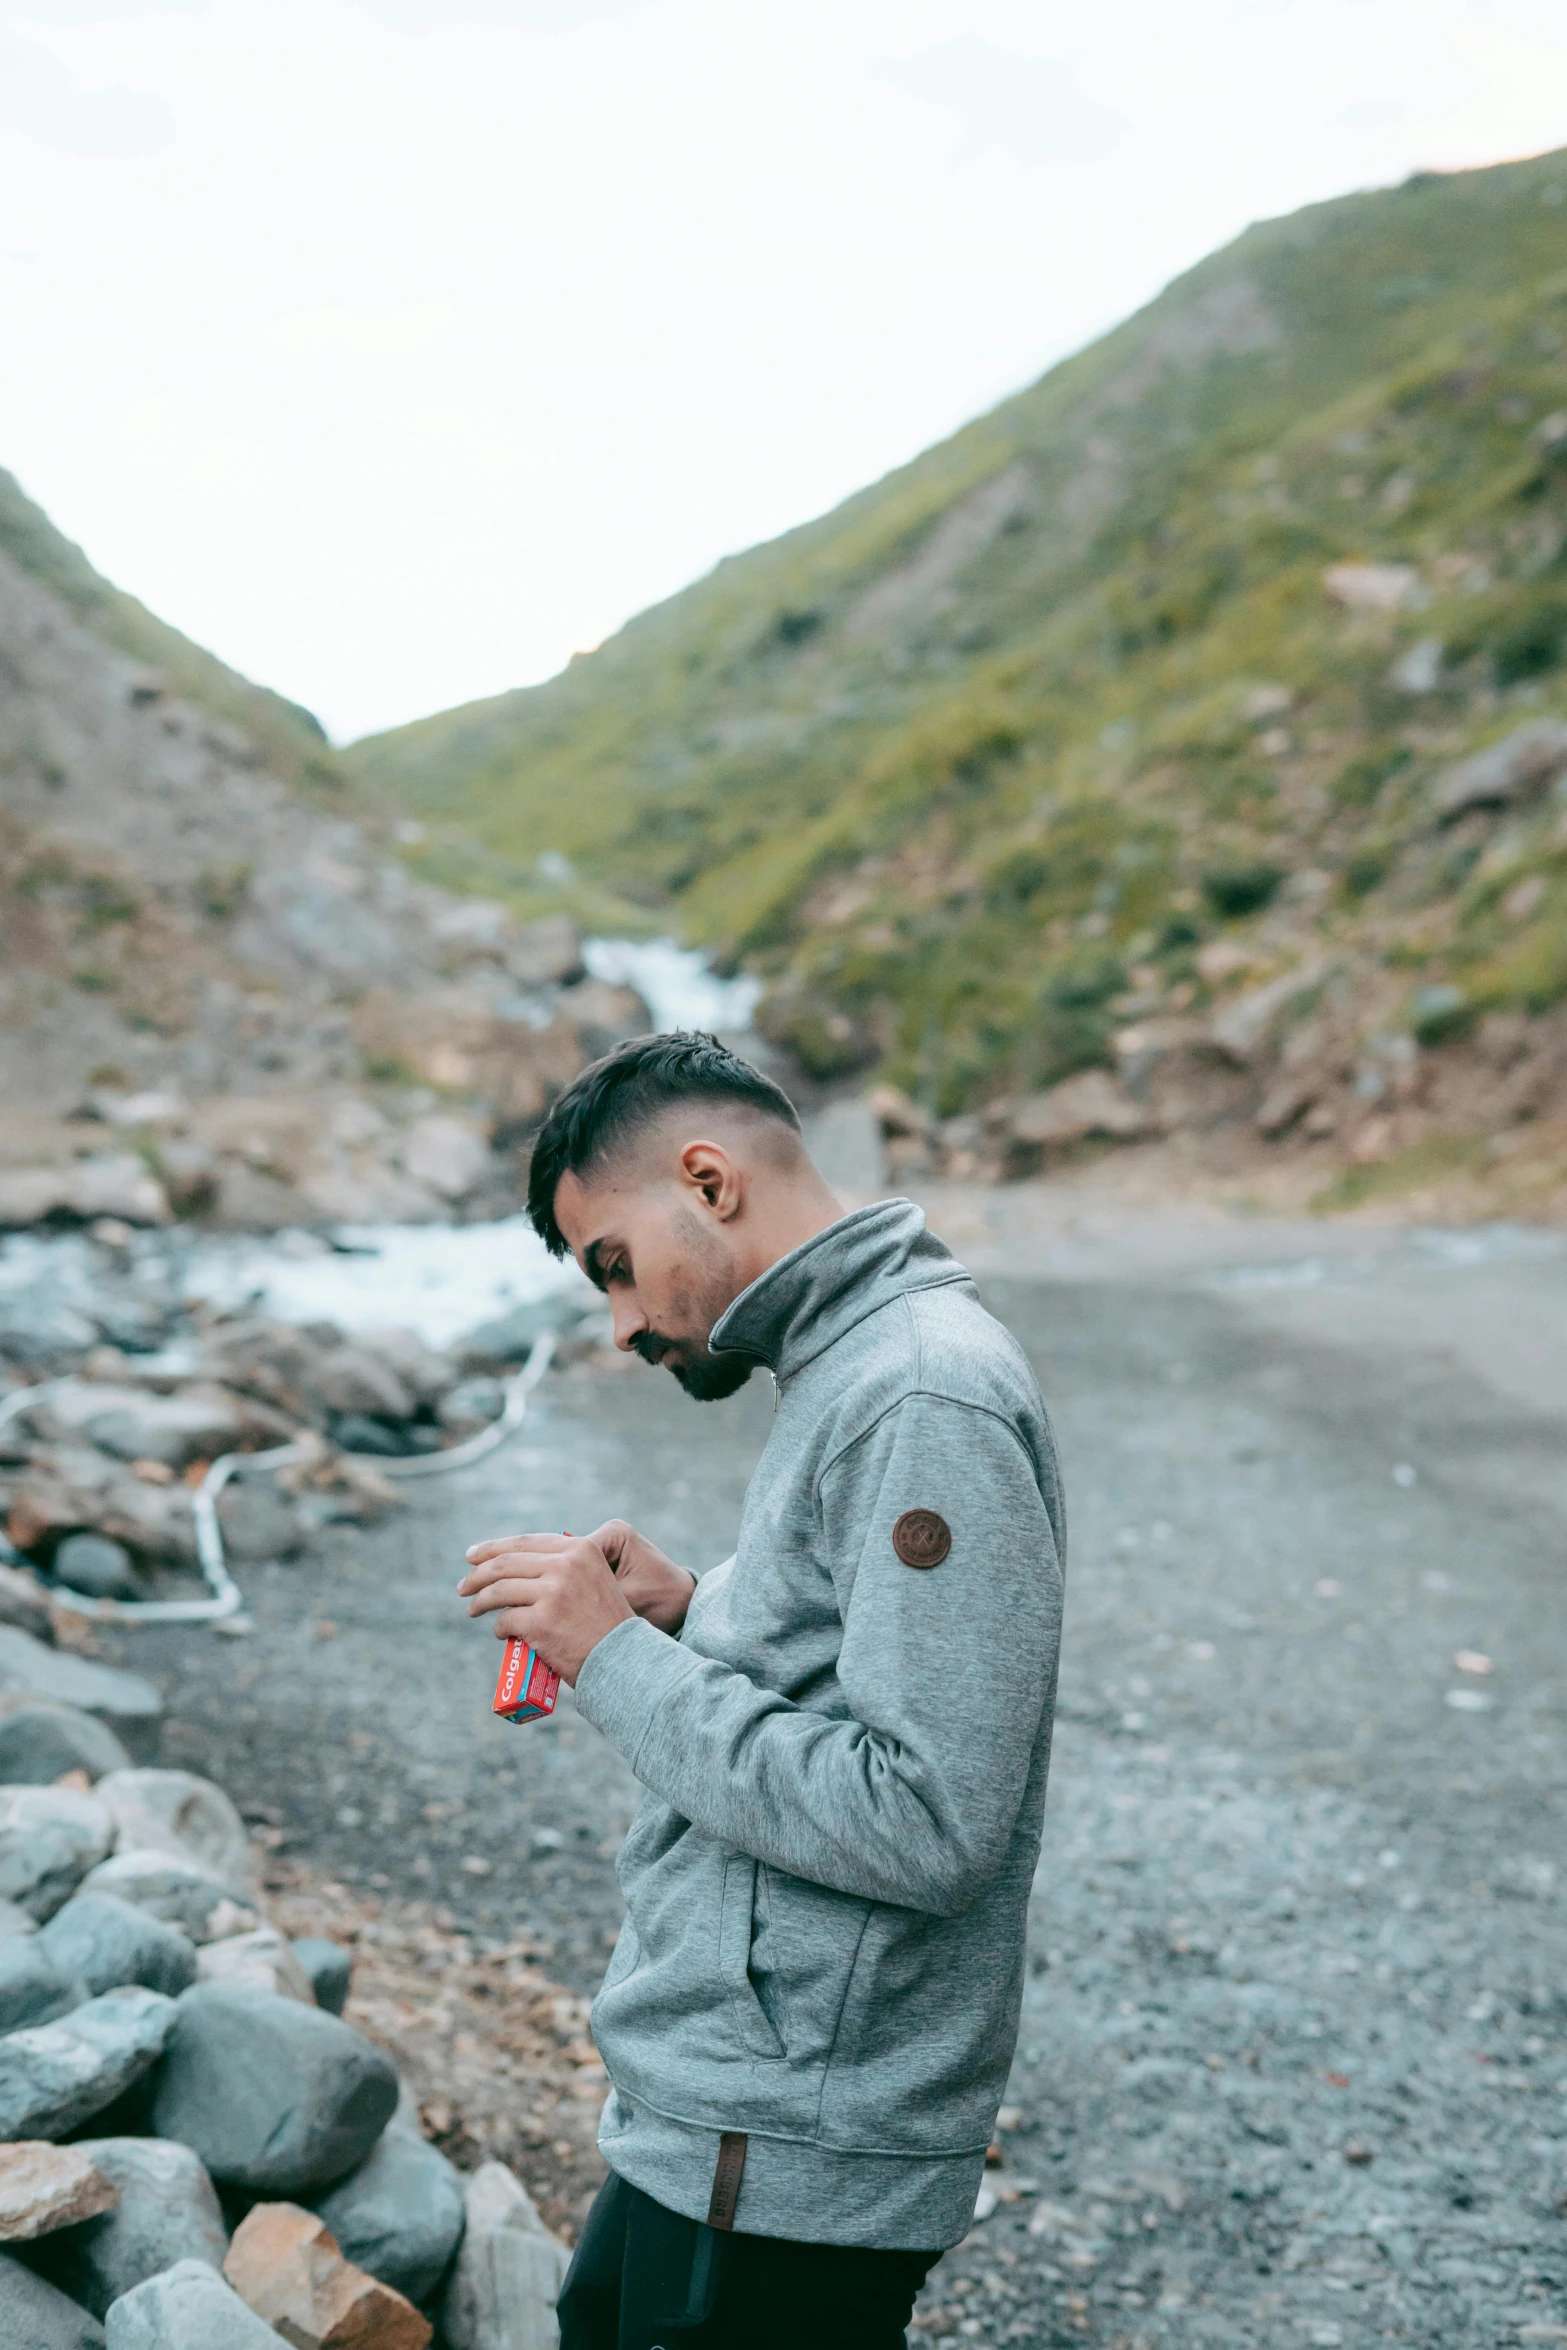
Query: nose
pixel 630 1321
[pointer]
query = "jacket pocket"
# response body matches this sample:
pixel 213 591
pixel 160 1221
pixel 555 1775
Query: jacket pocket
pixel 755 1990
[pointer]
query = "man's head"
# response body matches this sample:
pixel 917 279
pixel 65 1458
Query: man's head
pixel 675 1173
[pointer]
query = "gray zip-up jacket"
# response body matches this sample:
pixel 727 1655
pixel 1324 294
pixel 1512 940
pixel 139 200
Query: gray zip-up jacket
pixel 828 1881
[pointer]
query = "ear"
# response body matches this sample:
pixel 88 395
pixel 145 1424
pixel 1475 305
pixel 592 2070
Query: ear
pixel 707 1168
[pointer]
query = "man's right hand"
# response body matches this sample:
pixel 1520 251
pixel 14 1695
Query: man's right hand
pixel 655 1587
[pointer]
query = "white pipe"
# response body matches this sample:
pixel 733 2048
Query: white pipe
pixel 226 1596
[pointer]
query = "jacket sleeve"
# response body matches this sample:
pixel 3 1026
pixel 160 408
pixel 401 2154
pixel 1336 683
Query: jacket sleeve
pixel 946 1672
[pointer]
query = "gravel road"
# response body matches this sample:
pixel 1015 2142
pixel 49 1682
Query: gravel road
pixel 1293 2067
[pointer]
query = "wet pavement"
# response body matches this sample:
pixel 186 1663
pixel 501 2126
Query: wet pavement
pixel 1293 2067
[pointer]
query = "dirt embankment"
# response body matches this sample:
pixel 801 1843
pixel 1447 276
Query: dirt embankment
pixel 222 995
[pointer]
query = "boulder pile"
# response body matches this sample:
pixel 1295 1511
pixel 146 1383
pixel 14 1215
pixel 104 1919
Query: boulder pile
pixel 196 2150
pixel 121 1395
pixel 1020 1134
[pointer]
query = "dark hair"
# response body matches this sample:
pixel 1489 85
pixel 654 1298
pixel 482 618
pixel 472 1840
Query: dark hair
pixel 635 1083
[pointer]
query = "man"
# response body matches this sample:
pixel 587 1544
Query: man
pixel 844 1731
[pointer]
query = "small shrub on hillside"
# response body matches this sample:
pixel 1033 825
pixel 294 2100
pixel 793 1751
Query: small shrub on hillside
pixel 1438 1014
pixel 1535 644
pixel 1236 890
pixel 1366 871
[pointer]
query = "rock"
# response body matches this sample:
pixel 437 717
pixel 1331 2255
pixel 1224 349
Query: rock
pixel 277 2098
pixel 74 1488
pixel 1285 1102
pixel 258 1961
pixel 124 1699
pixel 603 1013
pixel 39 1330
pixel 33 1988
pixel 181 1892
pixel 49 1838
pixel 113 1183
pixel 845 1144
pixel 44 2187
pixel 285 2264
pixel 56 2076
pixel 510 1338
pixel 407 2116
pixel 448 1156
pixel 328 1967
pixel 1419 670
pixel 357 1432
pixel 117 1184
pixel 424 1371
pixel 97 1567
pixel 33 2316
pixel 186 2307
pixel 546 953
pixel 178 1813
pixel 1372 587
pixel 472 1405
pixel 273 1362
pixel 166 2211
pixel 1520 765
pixel 352 1379
pixel 101 1942
pixel 24 1604
pixel 1240 1029
pixel 508 2273
pixel 400 2215
pixel 28 1194
pixel 258 1522
pixel 40 1742
pixel 900 1118
pixel 1091 1103
pixel 189 1174
pixel 137 1425
pixel 138 1325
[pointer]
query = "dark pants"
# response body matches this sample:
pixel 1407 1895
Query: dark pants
pixel 643 2278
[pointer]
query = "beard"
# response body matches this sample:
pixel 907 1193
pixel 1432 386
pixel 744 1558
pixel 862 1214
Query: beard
pixel 706 1377
pixel 699 1298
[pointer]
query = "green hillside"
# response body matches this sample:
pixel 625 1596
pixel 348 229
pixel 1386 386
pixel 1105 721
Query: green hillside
pixel 978 764
pixel 294 741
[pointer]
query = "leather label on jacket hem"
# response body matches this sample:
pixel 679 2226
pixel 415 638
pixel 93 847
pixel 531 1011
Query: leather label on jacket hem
pixel 727 2174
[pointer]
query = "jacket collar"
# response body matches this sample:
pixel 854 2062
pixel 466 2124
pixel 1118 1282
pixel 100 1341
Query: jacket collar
pixel 821 1289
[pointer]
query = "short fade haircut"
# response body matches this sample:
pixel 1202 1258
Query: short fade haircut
pixel 602 1108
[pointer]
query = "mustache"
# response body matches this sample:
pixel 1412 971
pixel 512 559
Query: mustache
pixel 650 1346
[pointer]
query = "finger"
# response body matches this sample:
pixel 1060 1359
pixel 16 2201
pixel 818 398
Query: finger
pixel 514 1623
pixel 524 1572
pixel 613 1535
pixel 509 1593
pixel 495 1542
pixel 509 1562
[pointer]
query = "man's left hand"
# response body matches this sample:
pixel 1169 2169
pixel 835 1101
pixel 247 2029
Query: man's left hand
pixel 555 1591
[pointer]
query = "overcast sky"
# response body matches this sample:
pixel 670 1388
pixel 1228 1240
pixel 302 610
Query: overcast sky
pixel 397 348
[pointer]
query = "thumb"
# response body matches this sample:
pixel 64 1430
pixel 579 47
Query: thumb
pixel 613 1538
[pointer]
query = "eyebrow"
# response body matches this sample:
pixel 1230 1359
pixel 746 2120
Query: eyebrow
pixel 593 1264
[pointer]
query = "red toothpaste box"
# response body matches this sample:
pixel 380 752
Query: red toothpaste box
pixel 527 1689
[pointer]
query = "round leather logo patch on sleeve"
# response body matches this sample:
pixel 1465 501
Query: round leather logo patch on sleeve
pixel 922 1538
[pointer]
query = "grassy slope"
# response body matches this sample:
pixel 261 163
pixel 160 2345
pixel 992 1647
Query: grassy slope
pixel 296 746
pixel 962 761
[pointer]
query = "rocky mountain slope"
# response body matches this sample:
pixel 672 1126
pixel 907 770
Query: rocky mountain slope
pixel 221 992
pixel 1197 721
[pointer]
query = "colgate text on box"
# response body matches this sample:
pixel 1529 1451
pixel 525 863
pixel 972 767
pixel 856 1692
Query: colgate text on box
pixel 527 1689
